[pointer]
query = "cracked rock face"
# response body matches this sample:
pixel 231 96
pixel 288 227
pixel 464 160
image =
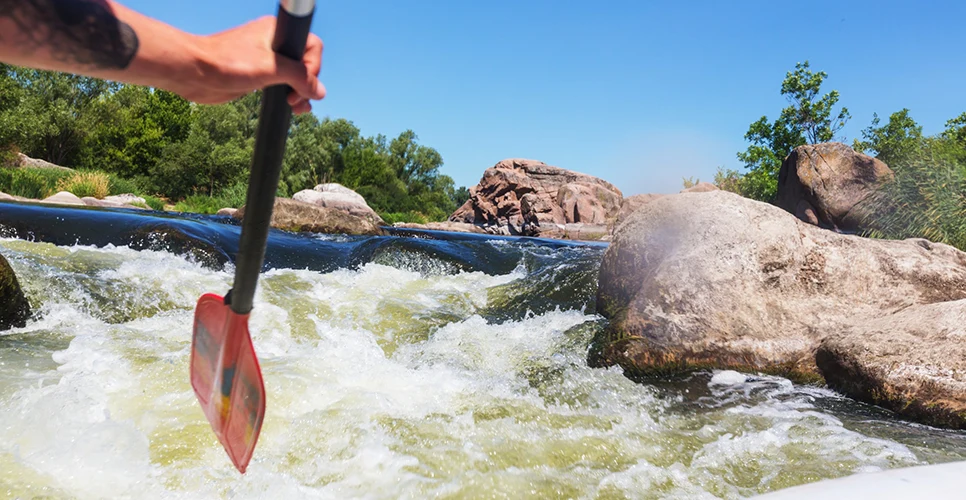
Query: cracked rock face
pixel 713 280
pixel 832 186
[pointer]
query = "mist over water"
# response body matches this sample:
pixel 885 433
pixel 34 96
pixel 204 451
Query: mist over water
pixel 407 375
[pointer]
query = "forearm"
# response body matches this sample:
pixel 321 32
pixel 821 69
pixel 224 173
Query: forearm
pixel 96 38
pixel 104 39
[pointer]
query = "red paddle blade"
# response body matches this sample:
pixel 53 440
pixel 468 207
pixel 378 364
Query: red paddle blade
pixel 226 377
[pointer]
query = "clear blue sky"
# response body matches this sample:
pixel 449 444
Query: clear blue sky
pixel 639 93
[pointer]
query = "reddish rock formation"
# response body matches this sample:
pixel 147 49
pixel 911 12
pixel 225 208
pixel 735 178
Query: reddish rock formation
pixel 518 196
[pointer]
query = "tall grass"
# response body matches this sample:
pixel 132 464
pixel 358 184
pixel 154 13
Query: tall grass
pixel 37 183
pixel 927 198
pixel 81 184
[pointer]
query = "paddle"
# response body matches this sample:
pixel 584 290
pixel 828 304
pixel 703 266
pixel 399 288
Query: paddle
pixel 224 369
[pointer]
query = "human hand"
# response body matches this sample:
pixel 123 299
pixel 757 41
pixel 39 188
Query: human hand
pixel 240 60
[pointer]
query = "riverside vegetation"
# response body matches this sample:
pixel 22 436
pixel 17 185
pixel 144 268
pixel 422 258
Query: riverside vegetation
pixel 130 139
pixel 928 196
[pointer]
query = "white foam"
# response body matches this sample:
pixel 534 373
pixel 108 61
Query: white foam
pixel 382 383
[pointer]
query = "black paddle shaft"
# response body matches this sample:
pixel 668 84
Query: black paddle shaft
pixel 291 32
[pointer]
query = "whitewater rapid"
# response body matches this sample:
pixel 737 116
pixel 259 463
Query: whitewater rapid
pixel 398 378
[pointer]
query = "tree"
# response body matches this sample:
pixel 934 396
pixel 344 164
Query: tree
pixel 52 113
pixel 808 120
pixel 896 141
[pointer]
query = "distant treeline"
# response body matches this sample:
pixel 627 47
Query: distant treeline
pixel 928 197
pixel 171 148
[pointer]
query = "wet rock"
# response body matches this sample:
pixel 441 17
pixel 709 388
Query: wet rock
pixel 14 308
pixel 63 198
pixel 292 215
pixel 339 197
pixel 831 185
pixel 714 280
pixel 498 200
pixel 912 362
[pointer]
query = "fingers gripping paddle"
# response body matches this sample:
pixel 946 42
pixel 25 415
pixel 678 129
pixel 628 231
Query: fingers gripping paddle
pixel 224 370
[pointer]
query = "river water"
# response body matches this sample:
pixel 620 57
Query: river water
pixel 410 366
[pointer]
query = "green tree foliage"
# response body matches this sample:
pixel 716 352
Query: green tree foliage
pixel 901 138
pixel 162 144
pixel 48 115
pixel 809 119
pixel 928 197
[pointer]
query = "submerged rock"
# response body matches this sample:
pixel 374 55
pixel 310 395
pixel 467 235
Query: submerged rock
pixel 714 280
pixel 14 308
pixel 912 362
pixel 830 185
pixel 292 215
pixel 166 237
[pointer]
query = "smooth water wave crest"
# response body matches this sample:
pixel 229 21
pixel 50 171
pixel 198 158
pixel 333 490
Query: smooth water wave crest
pixel 403 377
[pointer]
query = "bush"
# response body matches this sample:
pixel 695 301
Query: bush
pixel 200 204
pixel 118 185
pixel 8 156
pixel 37 183
pixel 154 203
pixel 83 184
pixel 235 195
pixel 411 217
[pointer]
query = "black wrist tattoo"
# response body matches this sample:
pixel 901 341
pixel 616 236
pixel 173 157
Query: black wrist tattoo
pixel 84 32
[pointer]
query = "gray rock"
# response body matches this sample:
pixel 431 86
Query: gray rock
pixel 338 197
pixel 714 280
pixel 125 199
pixel 227 211
pixel 912 361
pixel 63 198
pixel 293 215
pixel 94 202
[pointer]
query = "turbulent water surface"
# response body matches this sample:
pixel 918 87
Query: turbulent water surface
pixel 396 367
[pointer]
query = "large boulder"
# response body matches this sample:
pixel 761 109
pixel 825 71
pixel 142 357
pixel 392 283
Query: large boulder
pixel 14 308
pixel 632 203
pixel 293 215
pixel 714 280
pixel 831 185
pixel 24 161
pixel 554 196
pixel 912 362
pixel 339 197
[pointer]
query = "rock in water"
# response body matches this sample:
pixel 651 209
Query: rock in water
pixel 714 280
pixel 832 186
pixel 292 215
pixel 339 197
pixel 912 362
pixel 14 308
pixel 529 197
